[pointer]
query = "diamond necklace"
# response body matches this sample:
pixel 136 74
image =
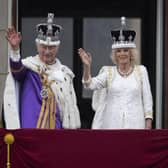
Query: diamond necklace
pixel 125 74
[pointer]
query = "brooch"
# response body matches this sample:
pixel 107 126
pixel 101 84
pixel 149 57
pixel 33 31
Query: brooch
pixel 44 93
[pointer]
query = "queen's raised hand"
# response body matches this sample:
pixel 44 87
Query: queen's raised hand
pixel 85 57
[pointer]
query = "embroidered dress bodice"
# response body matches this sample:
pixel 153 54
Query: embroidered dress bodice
pixel 124 104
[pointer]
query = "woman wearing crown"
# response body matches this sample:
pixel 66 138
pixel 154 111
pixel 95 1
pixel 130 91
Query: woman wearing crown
pixel 46 98
pixel 122 96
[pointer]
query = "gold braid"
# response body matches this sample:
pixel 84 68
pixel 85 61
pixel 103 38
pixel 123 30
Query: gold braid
pixel 48 108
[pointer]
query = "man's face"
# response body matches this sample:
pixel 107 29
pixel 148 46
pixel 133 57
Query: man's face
pixel 47 53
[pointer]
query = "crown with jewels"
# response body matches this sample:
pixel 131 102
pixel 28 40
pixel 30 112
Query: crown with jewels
pixel 123 38
pixel 48 33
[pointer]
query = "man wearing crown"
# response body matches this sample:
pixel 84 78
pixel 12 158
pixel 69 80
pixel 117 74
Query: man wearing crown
pixel 46 97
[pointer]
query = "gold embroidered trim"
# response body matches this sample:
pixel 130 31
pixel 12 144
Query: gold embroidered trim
pixel 148 115
pixel 138 70
pixel 109 76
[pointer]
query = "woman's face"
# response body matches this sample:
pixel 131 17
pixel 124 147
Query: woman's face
pixel 123 56
pixel 46 53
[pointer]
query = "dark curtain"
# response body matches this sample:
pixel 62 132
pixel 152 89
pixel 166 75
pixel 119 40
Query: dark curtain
pixel 35 148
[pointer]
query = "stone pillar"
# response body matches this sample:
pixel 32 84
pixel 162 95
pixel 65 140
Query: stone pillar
pixel 5 21
pixel 166 67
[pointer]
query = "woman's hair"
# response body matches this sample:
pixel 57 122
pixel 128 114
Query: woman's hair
pixel 134 55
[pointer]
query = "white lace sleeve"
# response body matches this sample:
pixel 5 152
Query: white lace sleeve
pixel 146 94
pixel 15 55
pixel 98 82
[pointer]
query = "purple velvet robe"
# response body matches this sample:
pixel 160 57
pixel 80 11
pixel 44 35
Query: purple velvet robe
pixel 30 98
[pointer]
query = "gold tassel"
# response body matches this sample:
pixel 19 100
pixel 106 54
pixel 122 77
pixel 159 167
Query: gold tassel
pixel 41 114
pixel 9 139
pixel 52 111
pixel 45 114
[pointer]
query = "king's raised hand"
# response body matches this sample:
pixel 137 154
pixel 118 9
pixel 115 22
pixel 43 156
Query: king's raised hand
pixel 13 37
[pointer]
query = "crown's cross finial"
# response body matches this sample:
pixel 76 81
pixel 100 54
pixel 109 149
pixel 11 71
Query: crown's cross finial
pixel 50 18
pixel 50 22
pixel 123 25
pixel 123 22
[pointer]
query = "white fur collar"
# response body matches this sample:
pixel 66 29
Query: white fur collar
pixel 54 71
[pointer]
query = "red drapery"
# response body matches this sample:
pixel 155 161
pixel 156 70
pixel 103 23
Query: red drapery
pixel 37 148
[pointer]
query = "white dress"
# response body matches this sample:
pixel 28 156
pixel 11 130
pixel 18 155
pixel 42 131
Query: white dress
pixel 127 103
